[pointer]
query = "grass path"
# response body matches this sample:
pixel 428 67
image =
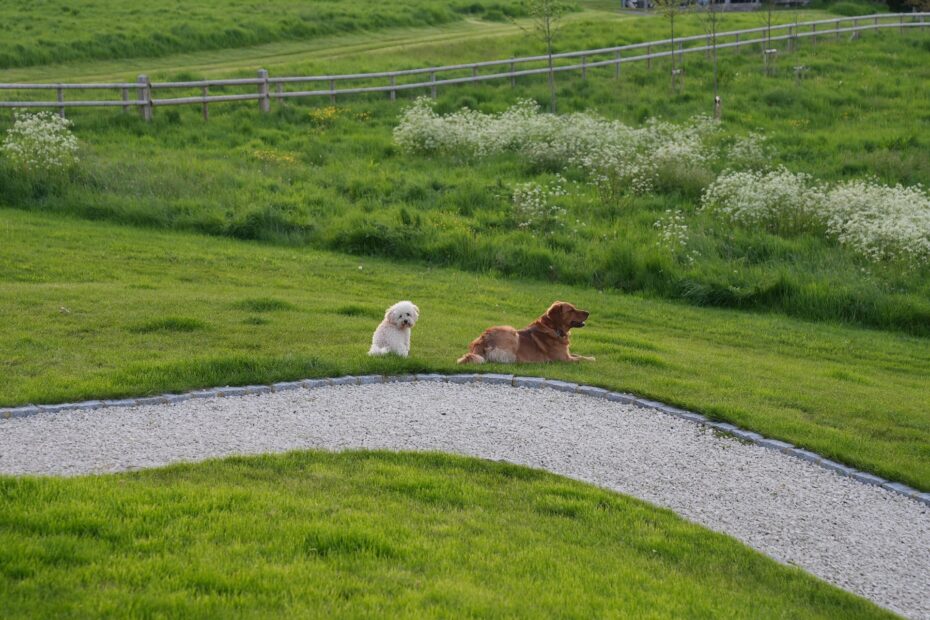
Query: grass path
pixel 97 310
pixel 213 63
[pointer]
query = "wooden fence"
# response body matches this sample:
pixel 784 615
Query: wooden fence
pixel 140 94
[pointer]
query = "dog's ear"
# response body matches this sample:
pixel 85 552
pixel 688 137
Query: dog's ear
pixel 389 315
pixel 557 310
pixel 416 311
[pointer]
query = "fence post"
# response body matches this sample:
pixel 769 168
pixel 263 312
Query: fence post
pixel 125 94
pixel 584 67
pixel 279 89
pixel 145 97
pixel 474 71
pixel 836 30
pixel 790 39
pixel 649 57
pixel 206 111
pixel 332 92
pixel 61 97
pixel 737 43
pixel 393 90
pixel 513 78
pixel 617 65
pixel 814 35
pixel 264 102
pixel 432 78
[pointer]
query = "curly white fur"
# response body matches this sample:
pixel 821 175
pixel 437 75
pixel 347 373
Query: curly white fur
pixel 393 334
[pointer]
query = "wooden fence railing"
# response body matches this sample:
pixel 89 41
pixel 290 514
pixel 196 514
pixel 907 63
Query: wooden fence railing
pixel 267 88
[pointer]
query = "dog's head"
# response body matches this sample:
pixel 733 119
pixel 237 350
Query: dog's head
pixel 402 314
pixel 562 316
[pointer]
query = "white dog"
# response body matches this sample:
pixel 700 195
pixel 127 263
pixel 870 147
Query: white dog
pixel 393 334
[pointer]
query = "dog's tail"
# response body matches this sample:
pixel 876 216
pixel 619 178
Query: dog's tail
pixel 471 358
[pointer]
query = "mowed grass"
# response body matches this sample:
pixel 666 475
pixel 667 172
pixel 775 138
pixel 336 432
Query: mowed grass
pixel 335 180
pixel 45 31
pixel 364 534
pixel 94 310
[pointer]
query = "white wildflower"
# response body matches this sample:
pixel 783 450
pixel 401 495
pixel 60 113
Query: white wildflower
pixel 40 143
pixel 880 222
pixel 780 200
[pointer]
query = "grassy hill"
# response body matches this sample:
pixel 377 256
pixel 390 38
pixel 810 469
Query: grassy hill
pixel 257 248
pixel 47 31
pixel 336 179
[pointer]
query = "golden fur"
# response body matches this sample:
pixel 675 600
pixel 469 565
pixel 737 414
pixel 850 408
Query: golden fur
pixel 544 340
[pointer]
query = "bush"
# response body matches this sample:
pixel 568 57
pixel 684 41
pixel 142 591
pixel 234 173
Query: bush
pixel 881 222
pixel 615 158
pixel 40 145
pixel 780 200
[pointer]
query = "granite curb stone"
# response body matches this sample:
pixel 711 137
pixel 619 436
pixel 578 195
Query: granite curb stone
pixel 620 397
pixel 589 390
pixel 562 386
pixel 490 379
pixel 528 382
pixel 463 378
pixel 868 478
pixel 839 468
pixel 431 377
pixel 497 379
pixel 347 380
pixel 806 455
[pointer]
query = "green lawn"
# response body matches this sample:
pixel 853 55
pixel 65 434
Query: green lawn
pixel 95 310
pixel 36 33
pixel 365 534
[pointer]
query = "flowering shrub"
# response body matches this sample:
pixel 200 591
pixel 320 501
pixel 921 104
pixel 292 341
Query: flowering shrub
pixel 616 158
pixel 673 234
pixel 533 205
pixel 780 200
pixel 880 222
pixel 40 144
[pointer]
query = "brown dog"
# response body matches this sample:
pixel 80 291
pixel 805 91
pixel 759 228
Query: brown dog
pixel 543 340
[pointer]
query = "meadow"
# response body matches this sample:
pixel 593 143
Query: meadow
pixel 333 177
pixel 53 31
pixel 260 248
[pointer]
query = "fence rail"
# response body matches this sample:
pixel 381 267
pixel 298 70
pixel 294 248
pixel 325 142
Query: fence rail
pixel 616 57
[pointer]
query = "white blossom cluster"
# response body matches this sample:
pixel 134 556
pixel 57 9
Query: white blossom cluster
pixel 616 158
pixel 533 205
pixel 880 222
pixel 673 234
pixel 779 200
pixel 877 221
pixel 40 143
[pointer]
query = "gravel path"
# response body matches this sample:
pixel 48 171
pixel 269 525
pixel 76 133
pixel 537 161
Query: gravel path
pixel 860 537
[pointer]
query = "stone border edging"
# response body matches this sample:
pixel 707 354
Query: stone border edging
pixel 490 379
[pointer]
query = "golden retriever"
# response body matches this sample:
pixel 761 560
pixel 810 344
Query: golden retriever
pixel 544 340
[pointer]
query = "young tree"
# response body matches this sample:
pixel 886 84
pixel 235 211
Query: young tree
pixel 547 19
pixel 710 16
pixel 671 9
pixel 768 6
